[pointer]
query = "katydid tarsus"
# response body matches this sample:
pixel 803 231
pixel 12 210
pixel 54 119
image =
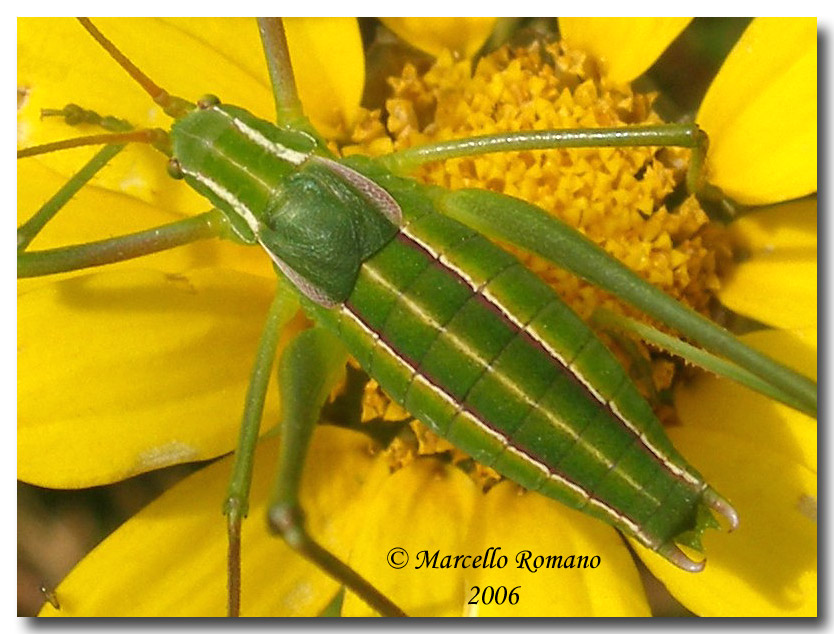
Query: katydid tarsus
pixel 451 326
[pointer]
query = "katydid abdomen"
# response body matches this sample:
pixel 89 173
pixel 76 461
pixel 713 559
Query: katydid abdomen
pixel 452 327
pixel 470 342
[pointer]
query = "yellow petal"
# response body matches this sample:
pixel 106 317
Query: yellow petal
pixel 329 67
pixel 768 567
pixel 709 402
pixel 761 113
pixel 627 46
pixel 59 63
pixel 528 528
pixel 777 284
pixel 124 372
pixel 423 507
pixel 170 559
pixel 463 36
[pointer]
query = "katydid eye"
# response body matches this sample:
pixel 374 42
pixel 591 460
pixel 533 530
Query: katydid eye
pixel 208 101
pixel 175 169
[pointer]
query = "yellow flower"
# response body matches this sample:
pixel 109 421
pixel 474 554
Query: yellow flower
pixel 735 436
pixel 145 364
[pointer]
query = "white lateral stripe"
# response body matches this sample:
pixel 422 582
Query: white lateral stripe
pixel 460 344
pixel 501 438
pixel 485 293
pixel 431 321
pixel 530 330
pixel 505 381
pixel 215 149
pixel 276 149
pixel 412 305
pixel 226 196
pixel 616 515
pixel 660 455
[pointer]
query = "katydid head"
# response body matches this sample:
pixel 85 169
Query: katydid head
pixel 316 218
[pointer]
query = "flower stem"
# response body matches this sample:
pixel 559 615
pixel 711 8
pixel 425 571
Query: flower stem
pixel 134 245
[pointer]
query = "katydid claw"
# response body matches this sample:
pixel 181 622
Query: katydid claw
pixel 676 556
pixel 722 507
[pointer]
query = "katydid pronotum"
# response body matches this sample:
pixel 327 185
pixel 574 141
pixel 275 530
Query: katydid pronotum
pixel 369 273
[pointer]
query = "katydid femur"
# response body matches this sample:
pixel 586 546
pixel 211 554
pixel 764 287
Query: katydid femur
pixel 451 326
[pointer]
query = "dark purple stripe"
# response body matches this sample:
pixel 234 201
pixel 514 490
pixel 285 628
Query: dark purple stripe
pixel 564 369
pixel 464 407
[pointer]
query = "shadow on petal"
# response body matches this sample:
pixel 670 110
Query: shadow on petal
pixel 123 372
pixel 170 559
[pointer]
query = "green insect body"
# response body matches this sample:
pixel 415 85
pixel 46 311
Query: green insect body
pixel 455 329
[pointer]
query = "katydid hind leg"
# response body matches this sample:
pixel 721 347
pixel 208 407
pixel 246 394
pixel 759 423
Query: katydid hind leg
pixel 235 507
pixel 530 228
pixel 310 367
pixel 126 247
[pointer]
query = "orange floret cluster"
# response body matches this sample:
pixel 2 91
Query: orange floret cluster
pixel 615 196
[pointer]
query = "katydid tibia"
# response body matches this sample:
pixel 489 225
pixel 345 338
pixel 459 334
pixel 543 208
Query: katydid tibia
pixel 455 329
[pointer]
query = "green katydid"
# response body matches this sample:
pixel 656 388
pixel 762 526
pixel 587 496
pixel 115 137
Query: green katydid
pixel 494 362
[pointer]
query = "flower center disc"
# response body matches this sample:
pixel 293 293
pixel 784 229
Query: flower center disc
pixel 618 197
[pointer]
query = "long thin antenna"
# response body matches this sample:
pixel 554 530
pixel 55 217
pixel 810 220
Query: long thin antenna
pixel 155 136
pixel 173 106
